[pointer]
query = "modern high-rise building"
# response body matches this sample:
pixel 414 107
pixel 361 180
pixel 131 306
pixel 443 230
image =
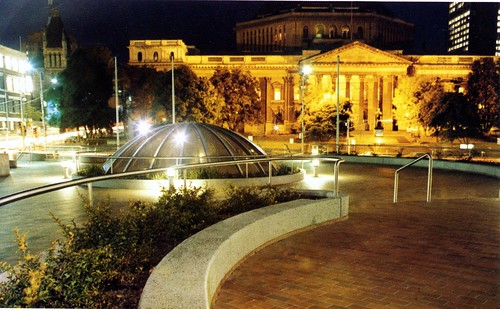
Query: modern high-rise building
pixel 474 28
pixel 15 85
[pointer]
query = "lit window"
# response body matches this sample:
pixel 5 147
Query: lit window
pixel 345 32
pixel 8 63
pixel 277 94
pixel 10 83
pixel 319 31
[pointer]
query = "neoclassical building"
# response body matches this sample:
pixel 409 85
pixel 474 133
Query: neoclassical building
pixel 290 27
pixel 368 77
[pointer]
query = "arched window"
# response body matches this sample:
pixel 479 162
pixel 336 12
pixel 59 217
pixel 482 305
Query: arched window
pixel 360 33
pixel 305 32
pixel 155 56
pixel 345 32
pixel 139 56
pixel 319 31
pixel 332 32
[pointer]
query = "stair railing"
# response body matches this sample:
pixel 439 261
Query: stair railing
pixel 429 176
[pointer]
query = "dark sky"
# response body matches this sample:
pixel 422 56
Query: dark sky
pixel 206 24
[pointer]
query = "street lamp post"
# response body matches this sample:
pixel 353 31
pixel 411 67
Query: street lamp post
pixel 306 70
pixel 23 134
pixel 337 128
pixel 44 128
pixel 173 87
pixel 117 107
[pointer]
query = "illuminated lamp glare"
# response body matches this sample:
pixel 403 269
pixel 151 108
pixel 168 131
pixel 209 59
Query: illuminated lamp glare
pixel 180 138
pixel 143 127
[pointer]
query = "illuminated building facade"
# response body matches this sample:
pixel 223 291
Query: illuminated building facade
pixel 474 28
pixel 289 27
pixel 369 77
pixel 15 84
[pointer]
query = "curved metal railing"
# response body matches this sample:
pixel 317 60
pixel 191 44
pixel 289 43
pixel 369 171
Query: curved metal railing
pixel 89 180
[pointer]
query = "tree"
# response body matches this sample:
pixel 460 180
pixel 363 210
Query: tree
pixel 483 89
pixel 320 117
pixel 195 98
pixel 428 98
pixel 405 103
pixel 85 87
pixel 240 95
pixel 455 117
pixel 139 83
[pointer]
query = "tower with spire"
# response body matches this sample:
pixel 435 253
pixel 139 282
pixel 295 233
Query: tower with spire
pixel 50 48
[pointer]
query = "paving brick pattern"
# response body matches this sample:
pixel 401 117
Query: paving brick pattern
pixel 443 254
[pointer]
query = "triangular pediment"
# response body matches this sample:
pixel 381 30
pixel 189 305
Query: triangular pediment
pixel 357 53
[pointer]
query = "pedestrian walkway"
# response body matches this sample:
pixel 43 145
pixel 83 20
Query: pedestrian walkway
pixel 443 254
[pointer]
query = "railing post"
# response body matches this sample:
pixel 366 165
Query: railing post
pixel 336 168
pixel 91 196
pixel 184 174
pixel 270 171
pixel 429 179
pixel 396 187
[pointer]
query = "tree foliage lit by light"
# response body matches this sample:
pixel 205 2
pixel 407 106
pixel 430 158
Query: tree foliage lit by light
pixel 240 98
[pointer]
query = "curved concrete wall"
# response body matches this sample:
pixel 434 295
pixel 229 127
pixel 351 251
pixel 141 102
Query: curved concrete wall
pixel 4 164
pixel 189 276
pixel 467 167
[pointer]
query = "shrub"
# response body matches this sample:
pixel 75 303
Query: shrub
pixel 105 262
pixel 284 169
pixel 91 171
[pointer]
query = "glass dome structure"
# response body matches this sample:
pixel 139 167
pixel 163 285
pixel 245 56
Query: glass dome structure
pixel 188 143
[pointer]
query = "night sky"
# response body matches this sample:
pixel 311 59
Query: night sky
pixel 206 24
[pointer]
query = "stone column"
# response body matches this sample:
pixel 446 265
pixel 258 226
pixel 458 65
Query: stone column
pixel 372 97
pixel 288 100
pixel 347 86
pixel 361 102
pixel 387 98
pixel 267 113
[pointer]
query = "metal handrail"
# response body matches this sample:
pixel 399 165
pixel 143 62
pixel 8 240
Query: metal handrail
pixel 89 180
pixel 429 176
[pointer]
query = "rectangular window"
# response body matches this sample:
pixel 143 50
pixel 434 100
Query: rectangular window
pixel 277 94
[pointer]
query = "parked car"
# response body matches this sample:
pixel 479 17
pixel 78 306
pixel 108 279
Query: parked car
pixel 494 131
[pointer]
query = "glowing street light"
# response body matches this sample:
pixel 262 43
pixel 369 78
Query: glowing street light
pixel 306 70
pixel 143 127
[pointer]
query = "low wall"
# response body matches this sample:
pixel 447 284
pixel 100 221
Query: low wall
pixel 4 164
pixel 141 184
pixel 189 276
pixel 31 156
pixel 468 167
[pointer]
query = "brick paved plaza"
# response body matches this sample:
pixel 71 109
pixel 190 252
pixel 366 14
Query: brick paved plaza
pixel 443 254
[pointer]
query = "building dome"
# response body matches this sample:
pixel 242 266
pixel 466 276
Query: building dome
pixel 187 143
